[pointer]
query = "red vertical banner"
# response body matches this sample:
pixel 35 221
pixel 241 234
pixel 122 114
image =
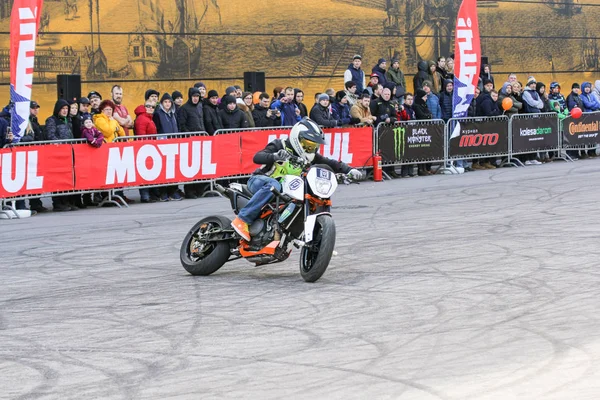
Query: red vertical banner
pixel 24 24
pixel 467 53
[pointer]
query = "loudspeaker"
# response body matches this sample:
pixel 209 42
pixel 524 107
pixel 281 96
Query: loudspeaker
pixel 68 86
pixel 254 82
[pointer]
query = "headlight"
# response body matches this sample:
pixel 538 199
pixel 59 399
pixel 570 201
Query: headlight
pixel 323 186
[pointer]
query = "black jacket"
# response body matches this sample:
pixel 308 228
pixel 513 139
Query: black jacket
pixel 260 117
pixel 190 116
pixel 212 118
pixel 235 119
pixel 382 110
pixel 58 128
pixel 421 76
pixel 266 158
pixel 38 134
pixel 322 116
pixel 421 109
pixel 486 107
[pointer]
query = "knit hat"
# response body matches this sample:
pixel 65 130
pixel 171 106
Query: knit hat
pixel 339 96
pixel 420 94
pixel 106 103
pixel 530 80
pixel 349 85
pixel 357 57
pixel 427 83
pixel 93 94
pixel 229 90
pixel 193 92
pixel 323 96
pixel 165 96
pixel 148 93
pixel 213 93
pixel 199 84
pixel 229 99
pixel 575 86
pixel 84 100
pixel 237 87
pixel 381 60
pixel 394 60
pixel 176 95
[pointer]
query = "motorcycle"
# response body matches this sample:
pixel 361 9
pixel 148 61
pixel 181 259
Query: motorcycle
pixel 298 216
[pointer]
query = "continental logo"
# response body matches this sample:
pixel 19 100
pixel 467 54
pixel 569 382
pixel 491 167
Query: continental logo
pixel 535 132
pixel 481 139
pixel 583 128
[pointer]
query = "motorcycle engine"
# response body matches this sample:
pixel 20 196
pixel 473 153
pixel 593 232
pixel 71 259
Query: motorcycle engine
pixel 262 233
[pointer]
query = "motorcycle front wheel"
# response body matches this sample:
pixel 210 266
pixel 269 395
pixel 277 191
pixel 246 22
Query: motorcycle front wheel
pixel 202 257
pixel 315 257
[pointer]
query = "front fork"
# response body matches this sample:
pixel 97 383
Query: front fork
pixel 310 221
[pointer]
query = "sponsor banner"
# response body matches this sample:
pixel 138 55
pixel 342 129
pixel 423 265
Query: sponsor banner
pixel 153 162
pixel 24 23
pixel 467 52
pixel 411 141
pixel 584 131
pixel 28 170
pixel 354 146
pixel 539 132
pixel 479 137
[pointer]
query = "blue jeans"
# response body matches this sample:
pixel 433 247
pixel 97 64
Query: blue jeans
pixel 260 185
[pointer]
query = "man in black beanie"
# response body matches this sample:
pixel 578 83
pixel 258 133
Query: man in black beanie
pixel 152 95
pixel 177 99
pixel 212 113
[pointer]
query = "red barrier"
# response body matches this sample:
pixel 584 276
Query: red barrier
pixel 36 169
pixel 155 162
pixel 66 167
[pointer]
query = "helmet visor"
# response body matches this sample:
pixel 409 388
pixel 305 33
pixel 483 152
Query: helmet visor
pixel 309 146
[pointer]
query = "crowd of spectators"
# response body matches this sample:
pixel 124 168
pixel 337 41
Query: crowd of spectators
pixel 365 98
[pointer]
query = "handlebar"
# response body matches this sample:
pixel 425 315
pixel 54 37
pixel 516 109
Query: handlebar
pixel 346 180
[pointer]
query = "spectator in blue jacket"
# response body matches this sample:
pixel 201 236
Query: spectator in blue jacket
pixel 589 101
pixel 433 102
pixel 380 71
pixel 341 109
pixel 446 99
pixel 290 113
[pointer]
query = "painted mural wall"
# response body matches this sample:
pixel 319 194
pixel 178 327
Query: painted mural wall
pixel 171 44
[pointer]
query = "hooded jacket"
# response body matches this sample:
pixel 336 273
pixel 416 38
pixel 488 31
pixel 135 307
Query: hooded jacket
pixel 516 104
pixel 396 76
pixel 380 72
pixel 589 101
pixel 165 121
pixel 538 88
pixel 420 106
pixel 420 76
pixel 562 102
pixel 322 116
pixel 190 116
pixel 485 106
pixel 143 125
pixel 574 100
pixel 57 127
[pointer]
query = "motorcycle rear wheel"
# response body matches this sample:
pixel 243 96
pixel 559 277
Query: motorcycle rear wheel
pixel 200 257
pixel 315 257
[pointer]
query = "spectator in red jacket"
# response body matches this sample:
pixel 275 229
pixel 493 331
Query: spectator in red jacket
pixel 144 125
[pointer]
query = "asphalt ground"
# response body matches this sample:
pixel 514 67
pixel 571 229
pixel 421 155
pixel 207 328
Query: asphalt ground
pixel 479 286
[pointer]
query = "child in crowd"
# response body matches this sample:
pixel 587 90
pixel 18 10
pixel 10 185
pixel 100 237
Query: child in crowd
pixel 91 133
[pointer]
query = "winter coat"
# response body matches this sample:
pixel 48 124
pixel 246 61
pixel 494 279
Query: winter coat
pixel 190 116
pixel 212 117
pixel 143 125
pixel 59 128
pixel 446 99
pixel 420 76
pixel 246 110
pixel 574 100
pixel 485 106
pixel 421 109
pixel 3 127
pixel 396 76
pixel 562 102
pixel 357 76
pixel 408 114
pixel 259 114
pixel 342 113
pixel 380 72
pixel 288 112
pixel 532 104
pixel 165 121
pixel 589 101
pixel 383 110
pixel 93 136
pixel 109 127
pixel 322 116
pixel 235 119
pixel 301 106
pixel 38 133
pixel 516 104
pixel 435 78
pixel 433 103
pixel 362 113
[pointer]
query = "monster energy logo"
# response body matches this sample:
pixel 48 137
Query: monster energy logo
pixel 399 142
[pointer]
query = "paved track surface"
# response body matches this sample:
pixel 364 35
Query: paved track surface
pixel 480 286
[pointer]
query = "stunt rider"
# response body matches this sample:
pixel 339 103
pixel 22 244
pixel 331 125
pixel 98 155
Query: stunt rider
pixel 304 142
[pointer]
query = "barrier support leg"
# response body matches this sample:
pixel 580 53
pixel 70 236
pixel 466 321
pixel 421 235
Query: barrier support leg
pixel 109 200
pixel 8 209
pixel 212 192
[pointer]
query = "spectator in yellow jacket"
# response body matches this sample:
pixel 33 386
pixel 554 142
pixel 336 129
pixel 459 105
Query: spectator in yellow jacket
pixel 105 122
